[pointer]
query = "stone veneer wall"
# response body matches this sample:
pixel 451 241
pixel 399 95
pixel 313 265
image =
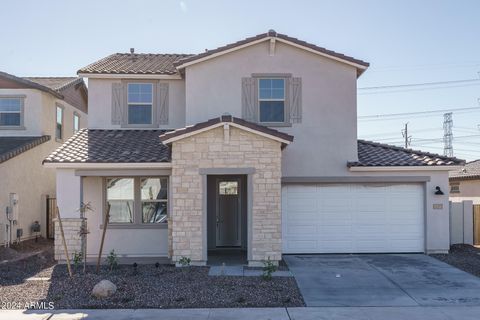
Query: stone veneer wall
pixel 71 229
pixel 220 148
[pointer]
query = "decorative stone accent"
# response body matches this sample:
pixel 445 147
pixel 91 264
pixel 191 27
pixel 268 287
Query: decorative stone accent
pixel 71 229
pixel 104 289
pixel 211 149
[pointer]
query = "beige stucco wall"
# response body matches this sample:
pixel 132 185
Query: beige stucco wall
pixel 125 241
pixel 329 105
pixel 211 149
pixel 25 176
pixel 469 190
pixel 40 113
pixel 100 103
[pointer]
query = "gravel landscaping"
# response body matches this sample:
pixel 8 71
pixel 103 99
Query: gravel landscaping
pixel 464 257
pixel 144 287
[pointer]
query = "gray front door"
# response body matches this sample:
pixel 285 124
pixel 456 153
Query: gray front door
pixel 228 211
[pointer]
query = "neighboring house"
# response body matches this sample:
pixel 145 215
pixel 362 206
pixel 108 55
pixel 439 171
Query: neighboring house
pixel 264 157
pixel 465 183
pixel 36 116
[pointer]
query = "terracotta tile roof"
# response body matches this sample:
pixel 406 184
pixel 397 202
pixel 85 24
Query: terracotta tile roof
pixel 136 63
pixel 55 83
pixel 471 171
pixel 272 33
pixel 373 154
pixel 13 146
pixel 112 146
pixel 226 118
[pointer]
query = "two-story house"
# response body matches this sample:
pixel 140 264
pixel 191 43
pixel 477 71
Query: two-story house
pixel 250 147
pixel 37 114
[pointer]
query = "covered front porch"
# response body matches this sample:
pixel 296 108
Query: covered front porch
pixel 210 193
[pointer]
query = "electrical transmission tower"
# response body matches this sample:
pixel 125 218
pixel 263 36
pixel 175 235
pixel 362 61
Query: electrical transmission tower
pixel 406 137
pixel 447 135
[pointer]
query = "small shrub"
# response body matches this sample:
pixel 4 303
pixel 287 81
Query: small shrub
pixel 112 260
pixel 77 259
pixel 269 267
pixel 184 261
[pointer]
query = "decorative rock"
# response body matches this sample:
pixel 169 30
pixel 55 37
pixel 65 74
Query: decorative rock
pixel 104 289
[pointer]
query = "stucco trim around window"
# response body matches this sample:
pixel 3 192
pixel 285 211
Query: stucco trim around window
pixel 21 126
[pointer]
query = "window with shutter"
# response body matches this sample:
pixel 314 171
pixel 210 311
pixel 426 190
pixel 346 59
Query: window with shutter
pixel 272 99
pixel 162 103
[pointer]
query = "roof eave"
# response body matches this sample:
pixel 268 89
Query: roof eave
pixel 403 168
pixel 359 65
pixel 110 165
pixel 31 84
pixel 94 75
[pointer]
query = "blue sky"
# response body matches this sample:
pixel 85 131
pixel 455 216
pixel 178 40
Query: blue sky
pixel 404 41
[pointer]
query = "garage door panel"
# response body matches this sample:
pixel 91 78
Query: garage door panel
pixel 347 218
pixel 333 232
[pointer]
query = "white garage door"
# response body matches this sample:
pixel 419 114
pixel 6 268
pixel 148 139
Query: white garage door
pixel 352 218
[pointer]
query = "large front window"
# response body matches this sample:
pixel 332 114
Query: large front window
pixel 140 103
pixel 10 111
pixel 154 200
pixel 120 197
pixel 271 100
pixel 137 200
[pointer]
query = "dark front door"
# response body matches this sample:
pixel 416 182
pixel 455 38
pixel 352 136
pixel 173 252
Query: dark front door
pixel 228 212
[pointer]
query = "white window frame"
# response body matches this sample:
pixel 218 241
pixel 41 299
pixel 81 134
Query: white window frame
pixel 137 204
pixel 20 126
pixel 152 104
pixel 62 129
pixel 76 116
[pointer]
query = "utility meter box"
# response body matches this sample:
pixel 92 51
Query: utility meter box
pixel 13 211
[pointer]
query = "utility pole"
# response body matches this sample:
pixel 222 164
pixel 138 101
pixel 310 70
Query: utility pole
pixel 447 135
pixel 406 136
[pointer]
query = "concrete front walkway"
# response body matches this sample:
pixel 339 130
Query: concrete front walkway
pixel 382 280
pixel 330 313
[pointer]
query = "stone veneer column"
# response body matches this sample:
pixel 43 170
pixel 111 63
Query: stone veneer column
pixel 71 229
pixel 211 150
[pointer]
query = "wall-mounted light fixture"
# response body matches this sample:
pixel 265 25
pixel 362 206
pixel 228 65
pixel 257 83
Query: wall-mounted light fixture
pixel 438 191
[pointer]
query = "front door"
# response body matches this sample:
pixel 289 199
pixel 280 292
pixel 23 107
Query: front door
pixel 228 213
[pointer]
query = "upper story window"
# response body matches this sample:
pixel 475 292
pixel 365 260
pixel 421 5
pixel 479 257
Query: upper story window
pixel 76 123
pixel 59 123
pixel 11 111
pixel 271 100
pixel 140 103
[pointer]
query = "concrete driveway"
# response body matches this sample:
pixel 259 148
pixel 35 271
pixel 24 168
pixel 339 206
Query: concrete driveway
pixel 392 280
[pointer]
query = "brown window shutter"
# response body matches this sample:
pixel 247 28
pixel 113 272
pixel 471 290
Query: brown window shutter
pixel 162 103
pixel 118 103
pixel 249 99
pixel 295 100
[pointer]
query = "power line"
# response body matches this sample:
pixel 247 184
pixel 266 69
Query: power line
pixel 388 115
pixel 408 85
